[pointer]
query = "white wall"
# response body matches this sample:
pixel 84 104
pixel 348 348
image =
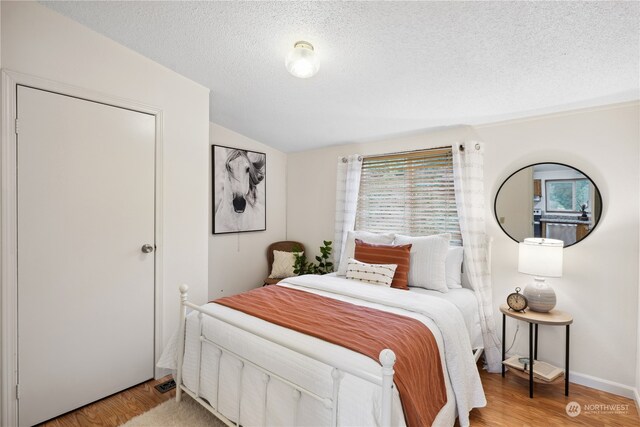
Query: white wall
pixel 40 42
pixel 238 262
pixel 599 285
pixel 600 282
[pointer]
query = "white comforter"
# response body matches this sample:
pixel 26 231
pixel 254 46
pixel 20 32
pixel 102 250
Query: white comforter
pixel 359 400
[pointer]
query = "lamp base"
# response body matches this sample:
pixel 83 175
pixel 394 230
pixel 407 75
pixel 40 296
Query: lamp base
pixel 540 296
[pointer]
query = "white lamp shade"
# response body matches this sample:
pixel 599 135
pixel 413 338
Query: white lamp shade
pixel 540 257
pixel 302 61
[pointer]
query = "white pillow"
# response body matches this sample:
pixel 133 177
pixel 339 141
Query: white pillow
pixel 350 246
pixel 283 263
pixel 376 274
pixel 427 260
pixel 453 266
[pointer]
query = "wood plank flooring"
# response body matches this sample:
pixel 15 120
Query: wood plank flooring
pixel 117 409
pixel 508 405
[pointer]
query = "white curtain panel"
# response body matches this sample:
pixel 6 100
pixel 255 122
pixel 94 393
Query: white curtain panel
pixel 347 186
pixel 468 177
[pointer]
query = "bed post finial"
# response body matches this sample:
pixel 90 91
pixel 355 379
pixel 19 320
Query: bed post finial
pixel 183 292
pixel 387 360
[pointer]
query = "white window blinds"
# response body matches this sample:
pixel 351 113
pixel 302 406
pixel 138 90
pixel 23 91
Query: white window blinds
pixel 409 193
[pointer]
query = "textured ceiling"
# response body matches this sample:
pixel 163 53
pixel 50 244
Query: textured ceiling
pixel 386 67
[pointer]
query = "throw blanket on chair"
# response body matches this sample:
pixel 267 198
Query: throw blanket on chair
pixel 418 369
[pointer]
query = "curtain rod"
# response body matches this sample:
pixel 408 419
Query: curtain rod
pixel 396 153
pixel 477 146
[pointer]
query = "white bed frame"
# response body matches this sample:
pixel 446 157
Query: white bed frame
pixel 385 380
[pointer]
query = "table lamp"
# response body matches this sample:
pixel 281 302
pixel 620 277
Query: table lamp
pixel 540 258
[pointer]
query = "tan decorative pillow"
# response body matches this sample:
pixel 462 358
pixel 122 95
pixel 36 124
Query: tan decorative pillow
pixel 283 263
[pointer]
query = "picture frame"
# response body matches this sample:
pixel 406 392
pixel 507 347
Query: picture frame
pixel 239 196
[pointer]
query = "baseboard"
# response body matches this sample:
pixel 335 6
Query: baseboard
pixel 605 385
pixel 477 353
pixel 636 393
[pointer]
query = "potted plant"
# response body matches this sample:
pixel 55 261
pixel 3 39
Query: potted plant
pixel 583 209
pixel 323 266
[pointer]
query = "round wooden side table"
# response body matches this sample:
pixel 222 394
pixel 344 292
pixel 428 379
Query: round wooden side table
pixel 552 318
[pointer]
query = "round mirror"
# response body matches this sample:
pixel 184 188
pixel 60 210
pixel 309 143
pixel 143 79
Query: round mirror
pixel 550 200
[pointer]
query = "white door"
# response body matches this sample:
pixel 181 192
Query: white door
pixel 85 287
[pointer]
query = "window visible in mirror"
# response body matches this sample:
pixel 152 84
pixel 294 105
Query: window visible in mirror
pixel 567 195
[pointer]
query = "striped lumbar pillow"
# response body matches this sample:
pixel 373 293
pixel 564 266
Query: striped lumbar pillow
pixel 377 274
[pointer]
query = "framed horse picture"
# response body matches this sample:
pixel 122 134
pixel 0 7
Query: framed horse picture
pixel 239 190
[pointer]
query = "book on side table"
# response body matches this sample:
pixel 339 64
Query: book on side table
pixel 541 370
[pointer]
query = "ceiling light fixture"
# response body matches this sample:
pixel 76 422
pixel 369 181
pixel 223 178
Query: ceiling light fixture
pixel 302 60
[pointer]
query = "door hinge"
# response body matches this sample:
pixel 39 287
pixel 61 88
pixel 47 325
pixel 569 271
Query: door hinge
pixel 17 391
pixel 17 126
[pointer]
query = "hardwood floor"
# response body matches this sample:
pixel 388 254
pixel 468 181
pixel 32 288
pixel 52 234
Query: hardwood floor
pixel 115 410
pixel 508 405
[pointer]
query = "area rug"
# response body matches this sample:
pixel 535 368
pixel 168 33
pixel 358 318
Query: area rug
pixel 187 413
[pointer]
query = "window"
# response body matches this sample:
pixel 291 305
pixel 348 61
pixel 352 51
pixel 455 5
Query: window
pixel 566 195
pixel 409 193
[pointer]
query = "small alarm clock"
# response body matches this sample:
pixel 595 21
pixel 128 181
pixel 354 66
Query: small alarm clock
pixel 516 301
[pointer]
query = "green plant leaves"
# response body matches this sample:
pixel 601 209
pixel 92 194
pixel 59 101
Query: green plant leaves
pixel 302 266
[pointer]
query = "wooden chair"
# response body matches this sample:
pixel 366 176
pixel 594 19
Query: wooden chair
pixel 284 246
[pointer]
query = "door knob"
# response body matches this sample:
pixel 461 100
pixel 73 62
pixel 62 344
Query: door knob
pixel 147 248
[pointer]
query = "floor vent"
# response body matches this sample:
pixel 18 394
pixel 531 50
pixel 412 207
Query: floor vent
pixel 166 386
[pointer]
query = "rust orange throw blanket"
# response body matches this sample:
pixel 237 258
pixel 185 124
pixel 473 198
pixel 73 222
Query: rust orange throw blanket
pixel 418 371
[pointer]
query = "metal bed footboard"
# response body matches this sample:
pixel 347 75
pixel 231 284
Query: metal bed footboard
pixel 385 380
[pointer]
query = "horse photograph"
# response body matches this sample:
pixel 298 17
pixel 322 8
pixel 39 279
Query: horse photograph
pixel 239 190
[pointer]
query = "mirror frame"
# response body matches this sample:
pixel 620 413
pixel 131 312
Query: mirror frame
pixel 599 196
